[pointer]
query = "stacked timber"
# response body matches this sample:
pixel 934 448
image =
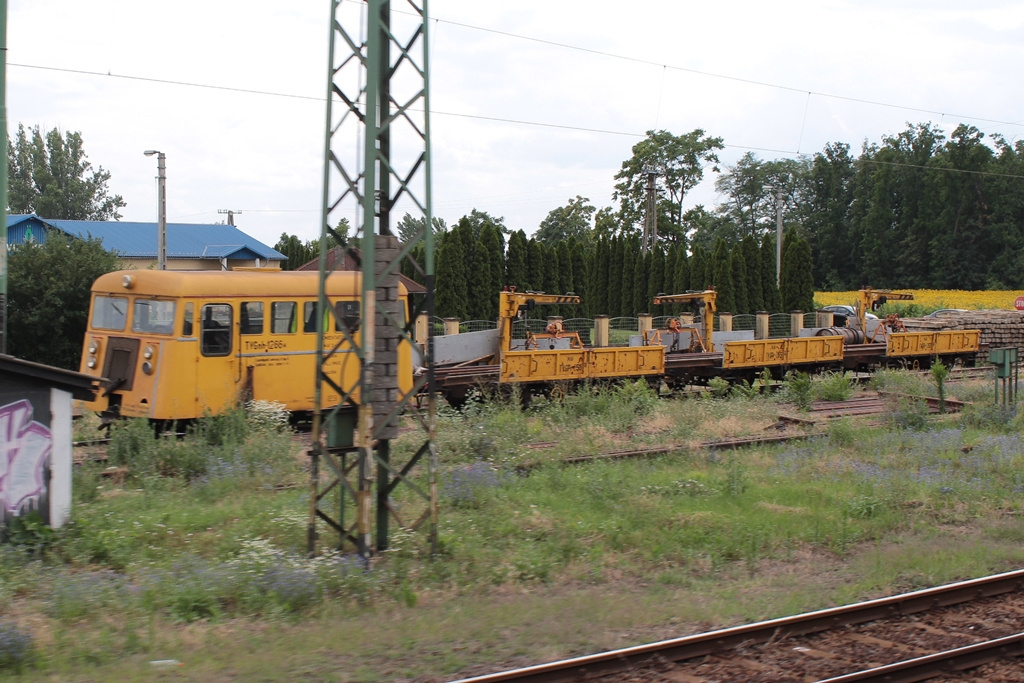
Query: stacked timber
pixel 999 329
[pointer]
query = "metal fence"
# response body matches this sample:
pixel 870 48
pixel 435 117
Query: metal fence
pixel 810 319
pixel 744 321
pixel 477 325
pixel 779 325
pixel 534 325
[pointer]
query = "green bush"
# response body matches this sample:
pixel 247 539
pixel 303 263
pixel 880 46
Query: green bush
pixel 799 389
pixel 834 386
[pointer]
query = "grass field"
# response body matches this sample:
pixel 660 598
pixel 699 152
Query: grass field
pixel 198 556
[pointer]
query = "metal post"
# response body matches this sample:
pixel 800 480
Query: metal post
pixel 651 216
pixel 779 196
pixel 161 207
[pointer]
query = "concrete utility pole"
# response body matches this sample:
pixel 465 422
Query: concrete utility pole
pixel 161 230
pixel 780 197
pixel 651 215
pixel 231 215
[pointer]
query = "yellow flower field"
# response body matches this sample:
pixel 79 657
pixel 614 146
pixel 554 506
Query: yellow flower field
pixel 931 299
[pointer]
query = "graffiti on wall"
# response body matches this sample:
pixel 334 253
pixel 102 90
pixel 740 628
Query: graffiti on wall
pixel 25 447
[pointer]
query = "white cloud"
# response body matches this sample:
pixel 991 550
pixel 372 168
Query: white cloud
pixel 263 154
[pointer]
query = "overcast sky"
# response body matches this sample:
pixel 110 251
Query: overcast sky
pixel 779 79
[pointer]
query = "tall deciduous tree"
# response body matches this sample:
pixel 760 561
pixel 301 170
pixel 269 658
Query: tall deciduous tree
pixel 572 220
pixel 410 228
pixel 51 177
pixel 48 290
pixel 680 159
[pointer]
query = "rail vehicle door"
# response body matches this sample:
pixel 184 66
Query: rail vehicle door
pixel 218 373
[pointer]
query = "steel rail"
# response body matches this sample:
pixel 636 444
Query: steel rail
pixel 939 663
pixel 701 644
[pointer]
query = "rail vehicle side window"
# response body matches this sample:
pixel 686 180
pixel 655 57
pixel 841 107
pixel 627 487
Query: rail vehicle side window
pixel 216 330
pixel 309 318
pixel 186 325
pixel 348 316
pixel 282 317
pixel 252 317
pixel 109 313
pixel 153 316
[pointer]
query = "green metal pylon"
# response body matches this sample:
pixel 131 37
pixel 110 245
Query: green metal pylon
pixel 373 49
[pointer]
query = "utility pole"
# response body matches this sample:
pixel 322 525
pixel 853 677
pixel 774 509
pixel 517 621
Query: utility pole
pixel 650 237
pixel 780 197
pixel 231 215
pixel 161 203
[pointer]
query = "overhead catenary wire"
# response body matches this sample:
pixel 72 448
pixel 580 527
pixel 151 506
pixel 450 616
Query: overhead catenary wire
pixel 602 131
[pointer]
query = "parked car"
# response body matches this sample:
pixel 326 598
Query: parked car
pixel 841 314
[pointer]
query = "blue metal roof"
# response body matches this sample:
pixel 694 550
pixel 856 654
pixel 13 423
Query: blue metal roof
pixel 184 240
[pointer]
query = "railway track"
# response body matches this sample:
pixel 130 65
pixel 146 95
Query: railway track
pixel 971 630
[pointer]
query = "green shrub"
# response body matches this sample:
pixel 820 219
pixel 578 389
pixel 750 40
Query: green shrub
pixel 906 413
pixel 834 386
pixel 799 389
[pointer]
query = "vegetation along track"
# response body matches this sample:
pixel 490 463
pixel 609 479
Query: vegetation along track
pixel 963 631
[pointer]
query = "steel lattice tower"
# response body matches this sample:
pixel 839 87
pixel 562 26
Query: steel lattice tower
pixel 376 163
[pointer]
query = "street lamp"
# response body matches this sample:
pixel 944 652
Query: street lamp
pixel 161 240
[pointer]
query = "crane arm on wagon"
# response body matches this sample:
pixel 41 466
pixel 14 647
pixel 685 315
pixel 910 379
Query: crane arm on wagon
pixel 704 306
pixel 869 299
pixel 511 304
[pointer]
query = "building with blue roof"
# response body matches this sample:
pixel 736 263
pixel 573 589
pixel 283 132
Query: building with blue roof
pixel 190 246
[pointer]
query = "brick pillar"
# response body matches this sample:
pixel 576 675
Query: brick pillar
pixel 387 336
pixel 725 322
pixel 824 319
pixel 451 325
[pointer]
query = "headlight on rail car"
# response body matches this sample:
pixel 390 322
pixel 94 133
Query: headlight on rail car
pixel 91 363
pixel 127 281
pixel 147 353
pixel 147 368
pixel 94 346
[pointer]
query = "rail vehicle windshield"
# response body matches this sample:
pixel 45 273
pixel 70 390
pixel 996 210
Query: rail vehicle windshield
pixel 109 313
pixel 153 316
